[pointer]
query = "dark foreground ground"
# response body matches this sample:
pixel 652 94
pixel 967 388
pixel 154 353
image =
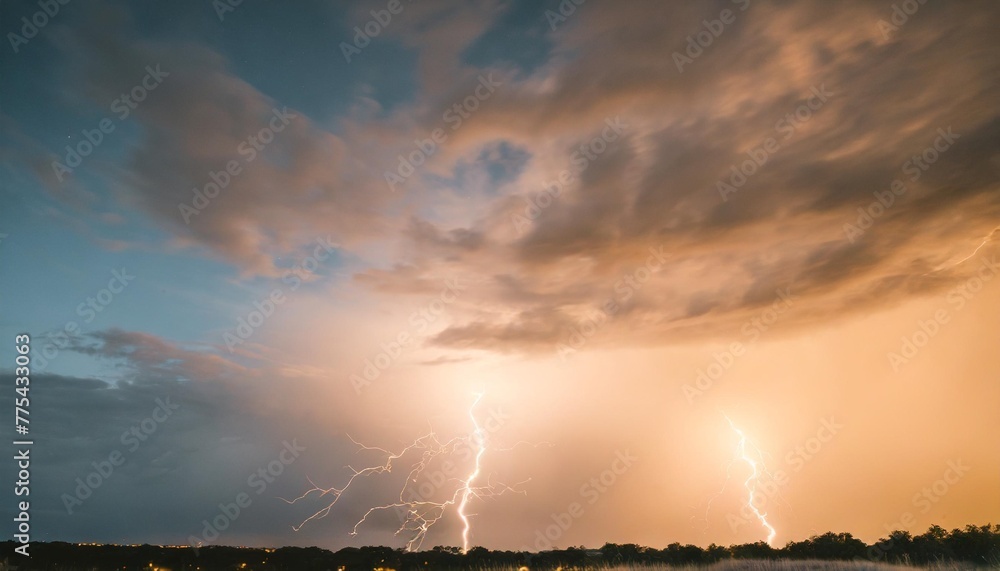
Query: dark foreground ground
pixel 968 548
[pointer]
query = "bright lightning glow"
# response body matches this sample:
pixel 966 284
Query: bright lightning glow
pixel 756 469
pixel 420 513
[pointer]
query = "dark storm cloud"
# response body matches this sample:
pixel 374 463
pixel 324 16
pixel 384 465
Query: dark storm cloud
pixel 884 100
pixel 846 104
pixel 291 178
pixel 181 419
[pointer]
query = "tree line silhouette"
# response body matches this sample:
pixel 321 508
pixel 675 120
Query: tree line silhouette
pixel 978 545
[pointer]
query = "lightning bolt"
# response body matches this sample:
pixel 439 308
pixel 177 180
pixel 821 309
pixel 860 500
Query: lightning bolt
pixel 421 514
pixel 986 240
pixel 480 441
pixel 756 468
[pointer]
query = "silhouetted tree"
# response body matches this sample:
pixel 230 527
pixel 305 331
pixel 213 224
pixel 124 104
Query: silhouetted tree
pixel 975 544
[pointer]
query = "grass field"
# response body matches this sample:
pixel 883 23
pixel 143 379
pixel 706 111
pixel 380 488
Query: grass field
pixel 768 565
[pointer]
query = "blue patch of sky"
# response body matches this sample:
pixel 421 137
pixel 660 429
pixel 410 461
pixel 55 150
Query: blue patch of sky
pixel 518 39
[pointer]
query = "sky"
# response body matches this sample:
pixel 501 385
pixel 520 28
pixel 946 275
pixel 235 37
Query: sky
pixel 630 264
